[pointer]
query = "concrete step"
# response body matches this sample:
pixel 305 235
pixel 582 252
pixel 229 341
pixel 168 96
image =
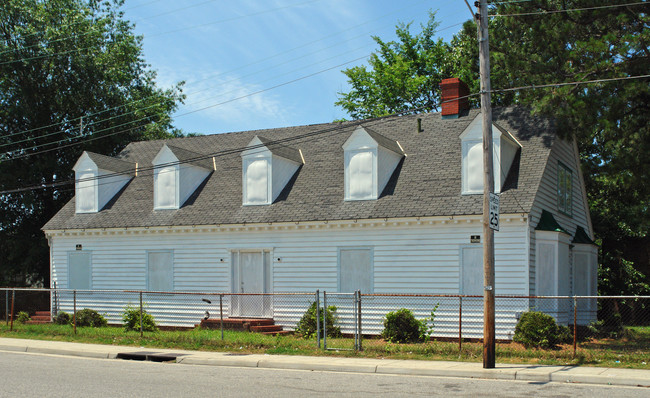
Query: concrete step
pixel 43 313
pixel 283 332
pixel 266 328
pixel 33 322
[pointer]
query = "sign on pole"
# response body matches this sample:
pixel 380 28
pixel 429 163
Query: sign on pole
pixel 494 211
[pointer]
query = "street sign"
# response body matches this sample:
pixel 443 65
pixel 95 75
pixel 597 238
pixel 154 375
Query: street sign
pixel 494 211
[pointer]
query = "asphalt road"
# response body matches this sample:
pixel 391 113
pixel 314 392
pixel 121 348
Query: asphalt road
pixel 36 375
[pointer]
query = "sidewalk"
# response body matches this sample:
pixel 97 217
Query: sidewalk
pixel 537 373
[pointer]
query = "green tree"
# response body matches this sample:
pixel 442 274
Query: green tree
pixel 71 71
pixel 609 119
pixel 403 75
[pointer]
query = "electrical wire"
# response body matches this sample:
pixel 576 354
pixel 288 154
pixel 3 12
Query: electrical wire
pixel 93 30
pixel 568 10
pixel 215 75
pixel 93 137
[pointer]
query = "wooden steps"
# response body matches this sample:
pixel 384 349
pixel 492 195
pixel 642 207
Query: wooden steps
pixel 255 325
pixel 40 317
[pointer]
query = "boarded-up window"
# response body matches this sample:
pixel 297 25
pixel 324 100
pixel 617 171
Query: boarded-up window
pixel 165 185
pixel 257 182
pixel 79 271
pixel 160 271
pixel 546 275
pixel 356 270
pixel 86 196
pixel 360 176
pixel 472 271
pixel 474 167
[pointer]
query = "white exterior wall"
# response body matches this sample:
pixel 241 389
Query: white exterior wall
pixel 546 198
pixel 409 257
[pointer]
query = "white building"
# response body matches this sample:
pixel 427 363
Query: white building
pixel 385 206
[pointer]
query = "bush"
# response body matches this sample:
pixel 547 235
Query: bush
pixel 22 317
pixel 63 318
pixel 539 330
pixel 131 320
pixel 92 318
pixel 307 324
pixel 401 326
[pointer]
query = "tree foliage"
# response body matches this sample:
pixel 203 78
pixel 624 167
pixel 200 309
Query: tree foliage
pixel 609 119
pixel 71 71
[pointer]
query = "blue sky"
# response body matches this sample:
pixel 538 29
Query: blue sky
pixel 227 50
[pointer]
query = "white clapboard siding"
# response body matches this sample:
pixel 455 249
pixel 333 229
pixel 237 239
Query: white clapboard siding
pixel 418 258
pixel 546 198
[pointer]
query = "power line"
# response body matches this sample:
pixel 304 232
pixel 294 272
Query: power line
pixel 215 75
pixel 569 83
pixel 568 10
pixel 154 105
pixel 94 30
pixel 309 135
pixel 93 137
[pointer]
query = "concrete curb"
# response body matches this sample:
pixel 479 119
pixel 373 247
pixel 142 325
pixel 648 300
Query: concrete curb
pixel 532 373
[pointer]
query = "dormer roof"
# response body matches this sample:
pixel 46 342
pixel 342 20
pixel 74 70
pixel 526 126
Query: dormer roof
pixel 427 183
pixel 189 157
pixel 284 151
pixel 107 163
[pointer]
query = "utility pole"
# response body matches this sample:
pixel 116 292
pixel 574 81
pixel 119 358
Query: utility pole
pixel 488 188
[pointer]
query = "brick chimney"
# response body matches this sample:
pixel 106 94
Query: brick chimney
pixel 452 89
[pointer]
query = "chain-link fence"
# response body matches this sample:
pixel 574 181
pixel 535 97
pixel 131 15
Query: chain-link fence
pixel 450 317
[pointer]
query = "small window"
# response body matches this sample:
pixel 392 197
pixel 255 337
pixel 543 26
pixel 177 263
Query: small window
pixel 355 270
pixel 160 271
pixel 79 270
pixel 86 196
pixel 165 185
pixel 256 183
pixel 564 187
pixel 360 175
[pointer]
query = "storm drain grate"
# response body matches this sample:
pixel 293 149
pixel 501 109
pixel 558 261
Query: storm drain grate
pixel 149 356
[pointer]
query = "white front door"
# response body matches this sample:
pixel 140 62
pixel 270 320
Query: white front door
pixel 251 275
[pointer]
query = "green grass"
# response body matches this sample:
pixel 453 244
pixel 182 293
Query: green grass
pixel 631 351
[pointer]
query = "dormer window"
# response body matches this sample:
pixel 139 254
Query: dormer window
pixel 177 174
pixel 91 168
pixel 370 160
pixel 504 149
pixel 267 167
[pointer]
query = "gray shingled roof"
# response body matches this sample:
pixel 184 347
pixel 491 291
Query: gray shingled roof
pixel 426 183
pixel 112 164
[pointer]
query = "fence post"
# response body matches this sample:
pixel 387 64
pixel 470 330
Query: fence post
pixel 141 331
pixel 575 325
pixel 460 324
pixel 13 300
pixel 355 299
pixel 318 317
pixel 324 319
pixel 7 306
pixel 221 313
pixel 74 311
pixel 359 317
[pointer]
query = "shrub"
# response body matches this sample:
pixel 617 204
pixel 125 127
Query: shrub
pixel 131 319
pixel 307 324
pixel 610 326
pixel 63 318
pixel 539 330
pixel 22 317
pixel 92 318
pixel 401 326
